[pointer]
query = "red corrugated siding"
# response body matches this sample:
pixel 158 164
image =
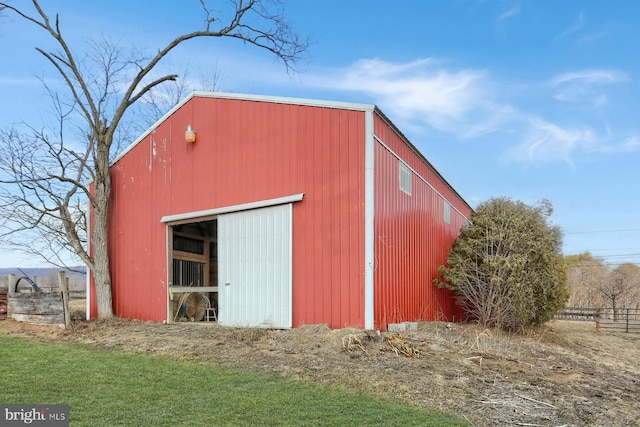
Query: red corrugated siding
pixel 247 151
pixel 411 237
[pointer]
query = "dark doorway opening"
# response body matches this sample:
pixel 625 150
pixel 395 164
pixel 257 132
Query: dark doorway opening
pixel 193 290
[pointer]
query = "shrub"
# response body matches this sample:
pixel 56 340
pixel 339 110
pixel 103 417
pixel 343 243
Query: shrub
pixel 506 266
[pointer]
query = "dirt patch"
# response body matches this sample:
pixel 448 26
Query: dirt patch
pixel 565 373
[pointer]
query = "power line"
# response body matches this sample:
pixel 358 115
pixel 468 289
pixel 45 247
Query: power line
pixel 604 231
pixel 602 250
pixel 623 255
pixel 605 264
pixel 615 262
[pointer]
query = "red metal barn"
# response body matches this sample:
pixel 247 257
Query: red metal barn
pixel 282 212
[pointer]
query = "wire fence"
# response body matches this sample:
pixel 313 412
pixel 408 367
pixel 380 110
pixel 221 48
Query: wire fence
pixel 608 318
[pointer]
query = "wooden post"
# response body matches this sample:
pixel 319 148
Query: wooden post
pixel 11 290
pixel 627 327
pixel 12 285
pixel 64 287
pixel 598 314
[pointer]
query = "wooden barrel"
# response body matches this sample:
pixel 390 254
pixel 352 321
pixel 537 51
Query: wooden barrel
pixel 195 307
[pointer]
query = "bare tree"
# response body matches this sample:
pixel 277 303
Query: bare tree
pixel 620 285
pixel 44 173
pixel 161 99
pixel 585 273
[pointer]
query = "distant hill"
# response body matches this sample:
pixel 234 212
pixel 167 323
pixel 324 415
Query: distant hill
pixel 42 272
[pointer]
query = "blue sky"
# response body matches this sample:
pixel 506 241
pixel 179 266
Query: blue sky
pixel 524 99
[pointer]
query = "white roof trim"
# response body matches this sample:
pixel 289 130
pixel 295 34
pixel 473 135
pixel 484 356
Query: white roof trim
pixel 286 100
pixel 235 208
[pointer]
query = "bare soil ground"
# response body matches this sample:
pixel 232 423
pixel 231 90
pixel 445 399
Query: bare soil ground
pixel 564 374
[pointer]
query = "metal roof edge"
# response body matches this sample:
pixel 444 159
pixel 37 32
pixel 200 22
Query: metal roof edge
pixel 287 100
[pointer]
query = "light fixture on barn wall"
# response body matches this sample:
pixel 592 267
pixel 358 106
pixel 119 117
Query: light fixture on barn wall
pixel 190 134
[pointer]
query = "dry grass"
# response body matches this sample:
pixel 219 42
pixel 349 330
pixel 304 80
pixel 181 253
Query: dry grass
pixel 562 374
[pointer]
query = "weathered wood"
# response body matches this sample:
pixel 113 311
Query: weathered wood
pixel 64 287
pixel 35 303
pixel 39 319
pixel 43 308
pixel 12 283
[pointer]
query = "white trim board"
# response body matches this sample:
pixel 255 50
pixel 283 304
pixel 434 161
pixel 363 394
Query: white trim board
pixel 369 225
pixel 197 215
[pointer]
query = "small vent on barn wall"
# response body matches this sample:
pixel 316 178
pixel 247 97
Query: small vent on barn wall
pixel 405 177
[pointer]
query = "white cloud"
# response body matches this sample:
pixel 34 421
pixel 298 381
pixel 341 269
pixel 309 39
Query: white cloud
pixel 469 104
pixel 548 142
pixel 631 143
pixel 585 87
pixel 579 26
pixel 514 11
pixel 575 26
pixel 420 90
pixel 493 117
pixel 590 77
pixel 593 37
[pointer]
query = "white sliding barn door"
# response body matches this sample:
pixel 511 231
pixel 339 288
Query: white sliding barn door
pixel 254 268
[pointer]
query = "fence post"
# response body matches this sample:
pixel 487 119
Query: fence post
pixel 62 281
pixel 627 326
pixel 598 315
pixel 12 285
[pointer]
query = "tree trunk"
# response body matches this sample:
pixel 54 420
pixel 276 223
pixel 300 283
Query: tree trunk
pixel 99 237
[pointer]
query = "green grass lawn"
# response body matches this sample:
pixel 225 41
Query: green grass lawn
pixel 111 388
